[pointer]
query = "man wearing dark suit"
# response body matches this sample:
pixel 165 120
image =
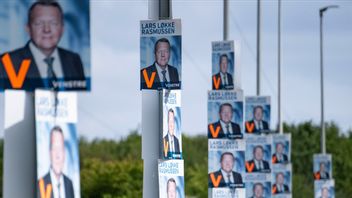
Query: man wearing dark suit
pixel 165 74
pixel 258 190
pixel 279 187
pixel 322 173
pixel 49 64
pixel 229 178
pixel 226 81
pixel 227 128
pixel 170 141
pixel 55 180
pixel 257 124
pixel 279 156
pixel 260 165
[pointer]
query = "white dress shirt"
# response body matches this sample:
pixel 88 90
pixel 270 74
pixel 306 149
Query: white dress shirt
pixel 171 142
pixel 224 80
pixel 226 178
pixel 258 124
pixel 160 74
pixel 224 129
pixel 42 65
pixel 55 182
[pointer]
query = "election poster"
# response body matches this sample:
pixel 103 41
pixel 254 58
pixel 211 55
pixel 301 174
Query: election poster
pixel 258 185
pixel 322 167
pixel 227 193
pixel 225 114
pixel 58 173
pixel 45 44
pixel 223 65
pixel 171 137
pixel 171 179
pixel 258 154
pixel 257 119
pixel 281 148
pixel 226 164
pixel 324 189
pixel 160 54
pixel 282 181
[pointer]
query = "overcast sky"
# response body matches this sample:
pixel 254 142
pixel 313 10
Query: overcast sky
pixel 113 108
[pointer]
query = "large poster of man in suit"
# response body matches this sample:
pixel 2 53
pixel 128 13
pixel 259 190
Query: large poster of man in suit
pixel 223 65
pixel 225 114
pixel 257 119
pixel 281 185
pixel 49 47
pixel 171 179
pixel 160 51
pixel 324 189
pixel 171 143
pixel 258 185
pixel 258 155
pixel 58 173
pixel 322 167
pixel 226 163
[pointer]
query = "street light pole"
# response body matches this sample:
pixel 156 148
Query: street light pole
pixel 226 22
pixel 322 125
pixel 258 47
pixel 279 68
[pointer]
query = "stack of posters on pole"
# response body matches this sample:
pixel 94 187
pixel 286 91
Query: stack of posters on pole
pixel 160 46
pixel 226 167
pixel 170 137
pixel 58 173
pixel 59 60
pixel 322 172
pixel 223 65
pixel 257 118
pixel 225 114
pixel 171 179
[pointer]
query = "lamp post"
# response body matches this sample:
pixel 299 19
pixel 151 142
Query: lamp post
pixel 322 132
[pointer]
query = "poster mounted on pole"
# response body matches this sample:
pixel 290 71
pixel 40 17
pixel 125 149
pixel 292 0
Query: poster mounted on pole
pixel 258 154
pixel 160 51
pixel 324 189
pixel 171 179
pixel 281 149
pixel 58 173
pixel 322 167
pixel 45 44
pixel 257 112
pixel 225 114
pixel 258 185
pixel 282 181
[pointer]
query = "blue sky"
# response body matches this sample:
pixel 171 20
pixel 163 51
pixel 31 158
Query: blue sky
pixel 113 108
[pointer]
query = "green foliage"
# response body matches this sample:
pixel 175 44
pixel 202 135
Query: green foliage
pixel 114 169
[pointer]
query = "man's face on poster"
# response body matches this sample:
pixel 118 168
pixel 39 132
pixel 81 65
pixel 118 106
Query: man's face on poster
pixel 258 114
pixel 162 53
pixel 223 64
pixel 45 27
pixel 258 191
pixel 324 192
pixel 279 148
pixel 227 163
pixel 322 167
pixel 171 123
pixel 258 153
pixel 280 179
pixel 226 113
pixel 171 190
pixel 57 152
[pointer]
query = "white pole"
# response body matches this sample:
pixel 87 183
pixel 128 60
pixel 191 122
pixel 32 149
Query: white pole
pixel 258 46
pixel 281 130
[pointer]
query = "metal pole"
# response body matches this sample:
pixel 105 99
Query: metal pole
pixel 322 135
pixel 226 22
pixel 279 68
pixel 322 125
pixel 258 47
pixel 158 9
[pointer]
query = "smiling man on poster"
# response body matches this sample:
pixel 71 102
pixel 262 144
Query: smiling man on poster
pixel 55 180
pixel 49 64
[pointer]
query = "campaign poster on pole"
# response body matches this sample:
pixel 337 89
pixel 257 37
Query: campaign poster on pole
pixel 223 65
pixel 171 178
pixel 258 154
pixel 171 134
pixel 160 54
pixel 322 167
pixel 281 149
pixel 226 163
pixel 58 173
pixel 324 189
pixel 257 119
pixel 225 114
pixel 282 181
pixel 45 44
pixel 258 185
